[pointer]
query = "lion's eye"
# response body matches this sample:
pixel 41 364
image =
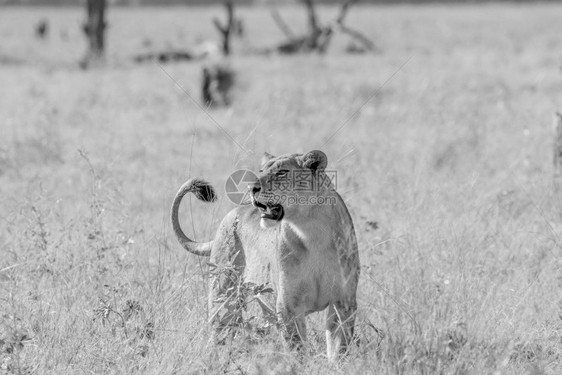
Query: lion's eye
pixel 281 173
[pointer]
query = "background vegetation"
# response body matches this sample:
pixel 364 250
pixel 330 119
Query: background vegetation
pixel 210 2
pixel 447 173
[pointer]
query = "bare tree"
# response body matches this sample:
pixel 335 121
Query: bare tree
pixel 319 36
pixel 94 28
pixel 229 28
pixel 218 78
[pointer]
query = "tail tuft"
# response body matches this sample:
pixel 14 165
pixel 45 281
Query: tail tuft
pixel 203 190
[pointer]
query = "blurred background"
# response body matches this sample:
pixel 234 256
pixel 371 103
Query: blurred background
pixel 439 118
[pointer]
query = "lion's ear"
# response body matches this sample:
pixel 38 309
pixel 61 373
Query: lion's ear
pixel 265 158
pixel 315 160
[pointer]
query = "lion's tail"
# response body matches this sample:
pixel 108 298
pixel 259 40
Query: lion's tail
pixel 203 191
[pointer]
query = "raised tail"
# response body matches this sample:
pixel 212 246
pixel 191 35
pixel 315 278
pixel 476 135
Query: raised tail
pixel 203 191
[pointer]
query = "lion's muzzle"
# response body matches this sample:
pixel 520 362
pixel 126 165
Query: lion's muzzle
pixel 269 210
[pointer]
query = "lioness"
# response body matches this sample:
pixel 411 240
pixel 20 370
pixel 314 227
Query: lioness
pixel 299 238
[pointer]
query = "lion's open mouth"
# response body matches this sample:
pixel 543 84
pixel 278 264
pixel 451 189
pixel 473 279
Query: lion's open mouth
pixel 271 212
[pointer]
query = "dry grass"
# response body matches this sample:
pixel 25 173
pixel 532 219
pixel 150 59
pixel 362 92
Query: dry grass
pixel 452 161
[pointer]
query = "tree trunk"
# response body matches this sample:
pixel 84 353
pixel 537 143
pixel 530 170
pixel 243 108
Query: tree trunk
pixel 94 28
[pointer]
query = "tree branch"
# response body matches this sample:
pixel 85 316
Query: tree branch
pixel 343 11
pixel 312 19
pixel 282 24
pixel 218 25
pixel 369 45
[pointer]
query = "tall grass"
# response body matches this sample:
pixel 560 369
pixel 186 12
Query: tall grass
pixel 447 173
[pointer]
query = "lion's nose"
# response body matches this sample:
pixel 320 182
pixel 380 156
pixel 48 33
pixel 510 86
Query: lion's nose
pixel 255 188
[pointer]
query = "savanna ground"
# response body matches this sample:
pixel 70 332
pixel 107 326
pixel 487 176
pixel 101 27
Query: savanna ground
pixel 447 172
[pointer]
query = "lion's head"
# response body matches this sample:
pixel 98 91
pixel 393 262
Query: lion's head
pixel 291 183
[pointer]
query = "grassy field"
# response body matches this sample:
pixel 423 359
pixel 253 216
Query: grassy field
pixel 447 172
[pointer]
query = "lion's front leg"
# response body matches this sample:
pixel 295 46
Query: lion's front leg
pixel 226 302
pixel 293 323
pixel 340 322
